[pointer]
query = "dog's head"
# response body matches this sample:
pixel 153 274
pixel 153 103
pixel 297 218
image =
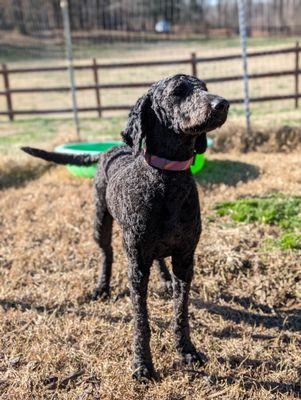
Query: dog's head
pixel 181 104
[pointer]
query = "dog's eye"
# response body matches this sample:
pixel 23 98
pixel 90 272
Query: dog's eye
pixel 180 91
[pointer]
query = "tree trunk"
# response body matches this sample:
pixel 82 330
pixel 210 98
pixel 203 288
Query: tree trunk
pixel 18 16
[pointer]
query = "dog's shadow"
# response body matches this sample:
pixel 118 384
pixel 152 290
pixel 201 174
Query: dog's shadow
pixel 247 382
pixel 63 309
pixel 260 315
pixel 255 314
pixel 227 172
pixel 18 176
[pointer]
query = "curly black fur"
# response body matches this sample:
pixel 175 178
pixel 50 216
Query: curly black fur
pixel 157 210
pixel 59 158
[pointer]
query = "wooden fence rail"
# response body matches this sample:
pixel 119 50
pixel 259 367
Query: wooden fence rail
pixel 99 87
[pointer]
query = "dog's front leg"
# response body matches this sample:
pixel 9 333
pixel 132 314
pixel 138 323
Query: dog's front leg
pixel 138 278
pixel 182 277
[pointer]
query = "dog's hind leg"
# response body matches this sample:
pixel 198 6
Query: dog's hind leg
pixel 103 236
pixel 164 274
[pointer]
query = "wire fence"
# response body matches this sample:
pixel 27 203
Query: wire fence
pixel 112 68
pixel 97 84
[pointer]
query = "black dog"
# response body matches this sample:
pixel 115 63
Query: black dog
pixel 147 187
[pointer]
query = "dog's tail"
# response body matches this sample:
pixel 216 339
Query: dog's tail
pixel 63 158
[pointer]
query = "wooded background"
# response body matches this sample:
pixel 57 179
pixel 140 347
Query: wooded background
pixel 208 17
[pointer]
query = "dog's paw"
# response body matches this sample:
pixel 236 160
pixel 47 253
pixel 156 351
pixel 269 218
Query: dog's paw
pixel 194 357
pixel 102 293
pixel 144 374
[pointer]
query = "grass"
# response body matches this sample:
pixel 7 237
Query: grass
pixel 277 209
pixel 244 309
pixel 50 132
pixel 15 48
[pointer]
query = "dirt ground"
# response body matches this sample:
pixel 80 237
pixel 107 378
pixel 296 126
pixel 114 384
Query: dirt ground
pixel 245 302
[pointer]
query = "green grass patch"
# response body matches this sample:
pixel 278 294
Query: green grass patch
pixel 290 240
pixel 277 209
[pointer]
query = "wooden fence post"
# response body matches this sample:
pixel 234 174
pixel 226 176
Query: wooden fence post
pixel 194 65
pixel 7 92
pixel 96 81
pixel 297 64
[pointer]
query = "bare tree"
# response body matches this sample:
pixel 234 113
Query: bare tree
pixel 141 15
pixel 18 15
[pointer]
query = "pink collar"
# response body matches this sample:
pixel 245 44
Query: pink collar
pixel 169 165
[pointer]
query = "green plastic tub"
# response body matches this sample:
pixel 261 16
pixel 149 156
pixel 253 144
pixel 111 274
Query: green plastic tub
pixel 85 147
pixel 199 161
pixel 99 147
pixel 198 164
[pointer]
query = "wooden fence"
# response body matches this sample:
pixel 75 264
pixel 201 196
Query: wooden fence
pixel 95 67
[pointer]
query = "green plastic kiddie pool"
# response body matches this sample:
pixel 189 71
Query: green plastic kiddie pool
pixel 100 147
pixel 87 148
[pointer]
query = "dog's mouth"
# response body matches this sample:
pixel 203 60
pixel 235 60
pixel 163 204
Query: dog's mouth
pixel 214 122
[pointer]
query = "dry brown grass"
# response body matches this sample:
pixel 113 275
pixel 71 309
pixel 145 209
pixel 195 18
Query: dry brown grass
pixel 245 302
pixel 233 137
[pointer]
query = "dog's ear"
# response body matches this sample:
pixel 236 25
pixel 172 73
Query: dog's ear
pixel 136 128
pixel 201 144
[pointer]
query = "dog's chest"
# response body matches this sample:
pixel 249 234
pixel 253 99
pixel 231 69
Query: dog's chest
pixel 180 216
pixel 174 216
pixel 153 207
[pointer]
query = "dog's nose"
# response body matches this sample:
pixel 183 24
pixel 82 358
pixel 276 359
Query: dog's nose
pixel 219 104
